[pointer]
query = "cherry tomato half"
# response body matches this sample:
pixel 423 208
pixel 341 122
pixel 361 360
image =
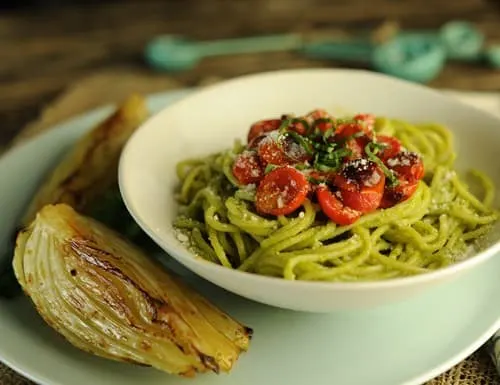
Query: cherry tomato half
pixel 361 185
pixel 356 146
pixel 334 208
pixel 262 127
pixel 407 165
pixel 392 146
pixel 367 119
pixel 298 127
pixel 271 152
pixel 399 193
pixel 254 143
pixel 316 114
pixel 346 130
pixel 281 151
pixel 281 192
pixel 355 139
pixel 247 168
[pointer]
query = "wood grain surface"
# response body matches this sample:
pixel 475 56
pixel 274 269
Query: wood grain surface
pixel 45 49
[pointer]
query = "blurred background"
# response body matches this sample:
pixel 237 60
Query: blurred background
pixel 50 46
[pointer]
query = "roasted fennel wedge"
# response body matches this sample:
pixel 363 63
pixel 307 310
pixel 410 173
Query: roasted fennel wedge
pixel 90 168
pixel 105 296
pixel 86 178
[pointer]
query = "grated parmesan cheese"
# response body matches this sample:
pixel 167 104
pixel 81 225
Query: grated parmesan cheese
pixel 250 187
pixel 373 180
pixel 182 238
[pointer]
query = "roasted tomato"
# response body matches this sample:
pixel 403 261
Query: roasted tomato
pixel 272 152
pixel 347 130
pixel 407 165
pixel 281 192
pixel 392 147
pixel 281 151
pixel 320 119
pixel 298 127
pixel 361 184
pixel 316 114
pixel 334 209
pixel 254 143
pixel 354 138
pixel 399 193
pixel 247 168
pixel 367 119
pixel 356 148
pixel 262 127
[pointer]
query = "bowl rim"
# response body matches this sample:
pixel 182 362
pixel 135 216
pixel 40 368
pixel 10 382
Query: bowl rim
pixel 182 254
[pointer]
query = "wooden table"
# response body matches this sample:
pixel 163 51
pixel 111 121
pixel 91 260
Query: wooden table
pixel 43 50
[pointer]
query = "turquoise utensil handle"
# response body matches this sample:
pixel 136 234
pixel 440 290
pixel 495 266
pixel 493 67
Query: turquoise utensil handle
pixel 462 41
pixel 251 44
pixel 492 56
pixel 357 51
pixel 412 57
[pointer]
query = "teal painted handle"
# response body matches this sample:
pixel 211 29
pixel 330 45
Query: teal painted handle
pixel 357 51
pixel 492 55
pixel 407 52
pixel 249 45
pixel 417 58
pixel 175 53
pixel 461 40
pixel 411 57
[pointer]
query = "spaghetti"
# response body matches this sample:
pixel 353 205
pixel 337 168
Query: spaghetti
pixel 431 224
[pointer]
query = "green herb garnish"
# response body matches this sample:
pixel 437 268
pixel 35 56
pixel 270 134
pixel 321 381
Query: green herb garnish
pixel 302 141
pixel 301 166
pixel 330 161
pixel 284 126
pixel 314 180
pixel 393 181
pixel 270 167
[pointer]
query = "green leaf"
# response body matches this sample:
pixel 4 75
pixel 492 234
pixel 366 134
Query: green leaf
pixel 393 181
pixel 270 167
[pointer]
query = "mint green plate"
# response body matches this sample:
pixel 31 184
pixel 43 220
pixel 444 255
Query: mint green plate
pixel 405 343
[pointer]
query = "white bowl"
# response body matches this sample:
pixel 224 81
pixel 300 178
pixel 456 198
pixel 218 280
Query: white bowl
pixel 210 119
